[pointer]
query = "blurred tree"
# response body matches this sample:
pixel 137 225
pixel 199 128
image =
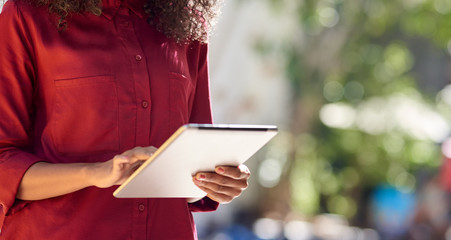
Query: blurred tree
pixel 365 75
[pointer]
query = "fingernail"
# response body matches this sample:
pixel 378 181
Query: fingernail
pixel 220 170
pixel 200 176
pixel 197 182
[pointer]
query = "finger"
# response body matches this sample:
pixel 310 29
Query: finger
pixel 240 172
pixel 220 189
pixel 220 198
pixel 133 167
pixel 150 150
pixel 121 161
pixel 126 170
pixel 140 153
pixel 221 195
pixel 222 180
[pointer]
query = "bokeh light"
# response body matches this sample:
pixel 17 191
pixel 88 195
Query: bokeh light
pixel 298 230
pixel 338 115
pixel 354 91
pixel 442 6
pixel 267 228
pixel 333 91
pixel 328 16
pixel 269 173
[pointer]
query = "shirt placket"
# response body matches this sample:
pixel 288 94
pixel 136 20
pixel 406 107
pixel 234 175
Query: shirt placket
pixel 139 75
pixel 140 78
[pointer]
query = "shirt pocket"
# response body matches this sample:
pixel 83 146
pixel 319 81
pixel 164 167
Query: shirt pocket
pixel 181 92
pixel 85 118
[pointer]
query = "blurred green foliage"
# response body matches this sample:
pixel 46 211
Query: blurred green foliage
pixel 363 55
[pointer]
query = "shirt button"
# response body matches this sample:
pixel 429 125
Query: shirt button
pixel 138 57
pixel 141 207
pixel 144 104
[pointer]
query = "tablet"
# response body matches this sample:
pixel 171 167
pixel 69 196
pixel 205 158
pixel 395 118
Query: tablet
pixel 193 148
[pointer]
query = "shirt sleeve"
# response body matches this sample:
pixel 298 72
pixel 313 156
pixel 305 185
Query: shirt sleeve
pixel 203 205
pixel 201 110
pixel 16 100
pixel 201 113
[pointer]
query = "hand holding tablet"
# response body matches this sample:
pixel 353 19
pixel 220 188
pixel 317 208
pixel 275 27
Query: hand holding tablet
pixel 225 184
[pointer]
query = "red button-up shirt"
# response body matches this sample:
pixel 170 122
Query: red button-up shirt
pixel 105 85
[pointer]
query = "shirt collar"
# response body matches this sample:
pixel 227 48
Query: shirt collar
pixel 110 7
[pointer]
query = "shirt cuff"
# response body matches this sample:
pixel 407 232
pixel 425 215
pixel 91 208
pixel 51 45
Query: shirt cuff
pixel 13 165
pixel 203 205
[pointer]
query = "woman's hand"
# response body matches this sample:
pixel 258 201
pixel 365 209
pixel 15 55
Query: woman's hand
pixel 118 169
pixel 225 184
pixel 46 180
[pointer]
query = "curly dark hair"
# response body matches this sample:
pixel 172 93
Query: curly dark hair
pixel 183 20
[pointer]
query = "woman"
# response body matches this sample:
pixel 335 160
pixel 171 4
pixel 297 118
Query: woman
pixel 82 84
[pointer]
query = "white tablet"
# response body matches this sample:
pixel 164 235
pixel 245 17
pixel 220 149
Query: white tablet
pixel 191 149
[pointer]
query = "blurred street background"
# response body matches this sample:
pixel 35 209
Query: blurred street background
pixel 360 91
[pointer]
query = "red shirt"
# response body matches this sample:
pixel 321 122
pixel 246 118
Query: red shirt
pixel 105 85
